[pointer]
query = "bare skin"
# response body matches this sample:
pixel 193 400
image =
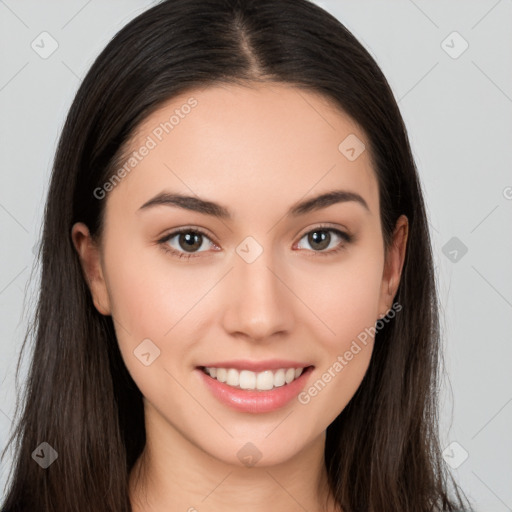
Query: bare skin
pixel 256 151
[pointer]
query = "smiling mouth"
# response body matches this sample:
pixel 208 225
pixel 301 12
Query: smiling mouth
pixel 266 380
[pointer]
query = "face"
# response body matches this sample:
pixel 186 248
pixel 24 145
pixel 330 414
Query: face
pixel 267 292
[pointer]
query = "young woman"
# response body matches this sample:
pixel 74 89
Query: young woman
pixel 238 307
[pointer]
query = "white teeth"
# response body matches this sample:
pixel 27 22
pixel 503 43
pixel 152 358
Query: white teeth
pixel 261 381
pixel 290 375
pixel 264 380
pixel 233 377
pixel 247 379
pixel 279 378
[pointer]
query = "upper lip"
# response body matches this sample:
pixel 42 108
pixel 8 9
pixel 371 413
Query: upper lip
pixel 256 366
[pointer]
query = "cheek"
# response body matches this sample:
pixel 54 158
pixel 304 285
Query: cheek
pixel 149 295
pixel 151 300
pixel 153 304
pixel 345 297
pixel 348 308
pixel 334 385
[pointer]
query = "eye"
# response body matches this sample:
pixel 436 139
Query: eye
pixel 321 238
pixel 185 242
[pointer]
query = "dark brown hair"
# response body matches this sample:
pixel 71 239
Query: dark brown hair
pixel 382 452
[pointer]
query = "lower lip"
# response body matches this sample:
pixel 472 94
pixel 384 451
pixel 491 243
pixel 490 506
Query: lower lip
pixel 255 401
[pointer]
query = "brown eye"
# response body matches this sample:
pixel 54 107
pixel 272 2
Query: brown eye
pixel 185 243
pixel 322 238
pixel 190 241
pixel 319 239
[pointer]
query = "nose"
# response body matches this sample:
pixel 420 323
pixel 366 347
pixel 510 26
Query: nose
pixel 259 303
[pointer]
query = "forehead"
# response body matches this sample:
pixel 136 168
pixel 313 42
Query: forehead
pixel 271 143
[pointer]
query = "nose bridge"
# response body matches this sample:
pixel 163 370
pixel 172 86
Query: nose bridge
pixel 258 304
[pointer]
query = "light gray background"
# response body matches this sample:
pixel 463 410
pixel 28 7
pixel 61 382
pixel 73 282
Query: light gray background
pixel 459 115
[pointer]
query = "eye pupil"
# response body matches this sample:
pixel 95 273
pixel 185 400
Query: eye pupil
pixel 315 238
pixel 192 241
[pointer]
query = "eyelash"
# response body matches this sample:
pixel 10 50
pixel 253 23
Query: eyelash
pixel 163 241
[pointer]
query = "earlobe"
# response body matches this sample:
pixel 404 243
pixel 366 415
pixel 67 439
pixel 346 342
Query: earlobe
pixel 390 286
pixel 89 255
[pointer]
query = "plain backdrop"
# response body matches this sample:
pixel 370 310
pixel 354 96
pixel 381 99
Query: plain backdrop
pixel 450 67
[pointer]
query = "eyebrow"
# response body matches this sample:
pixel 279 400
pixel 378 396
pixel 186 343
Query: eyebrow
pixel 216 210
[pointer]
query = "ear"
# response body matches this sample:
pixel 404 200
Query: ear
pixel 89 254
pixel 393 265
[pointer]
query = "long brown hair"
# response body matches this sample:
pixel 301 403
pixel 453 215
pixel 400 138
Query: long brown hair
pixel 382 452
